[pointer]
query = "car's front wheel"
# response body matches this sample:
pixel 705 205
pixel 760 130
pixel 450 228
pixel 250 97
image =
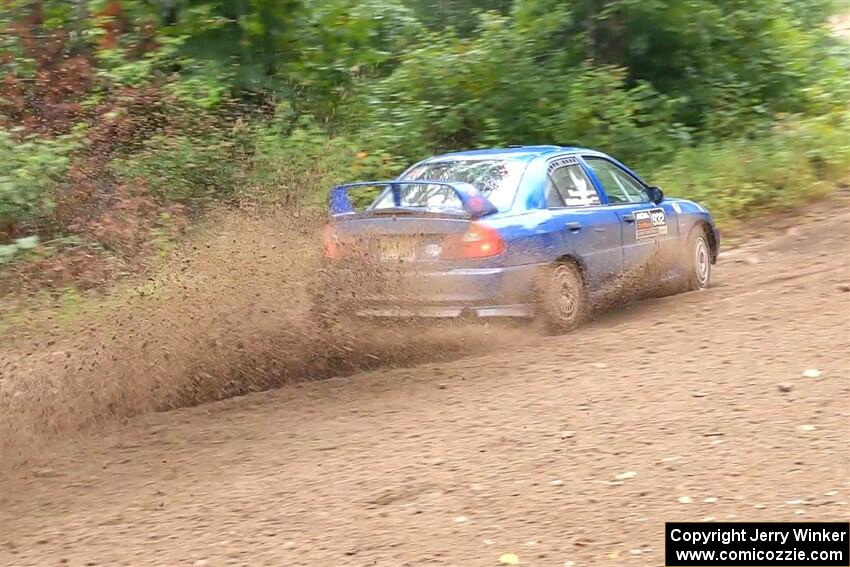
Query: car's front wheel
pixel 698 260
pixel 562 303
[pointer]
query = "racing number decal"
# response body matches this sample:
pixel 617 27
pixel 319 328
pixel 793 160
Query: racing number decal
pixel 650 223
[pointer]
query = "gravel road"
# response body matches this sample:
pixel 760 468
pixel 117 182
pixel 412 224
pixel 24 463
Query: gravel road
pixel 561 450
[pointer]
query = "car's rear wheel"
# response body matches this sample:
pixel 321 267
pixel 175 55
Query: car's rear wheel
pixel 562 298
pixel 697 260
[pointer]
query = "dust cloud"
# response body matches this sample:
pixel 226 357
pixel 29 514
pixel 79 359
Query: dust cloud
pixel 230 313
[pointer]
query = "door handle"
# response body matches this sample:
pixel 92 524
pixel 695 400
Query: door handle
pixel 629 218
pixel 574 226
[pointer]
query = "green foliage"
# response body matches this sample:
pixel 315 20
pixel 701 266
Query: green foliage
pixel 277 100
pixel 462 15
pixel 31 171
pixel 731 64
pixel 9 251
pixel 296 161
pixel 202 83
pixel 188 168
pixel 341 40
pixel 797 161
pixel 491 90
pixel 309 51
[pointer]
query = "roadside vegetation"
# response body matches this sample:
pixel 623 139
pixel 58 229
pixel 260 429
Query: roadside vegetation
pixel 123 122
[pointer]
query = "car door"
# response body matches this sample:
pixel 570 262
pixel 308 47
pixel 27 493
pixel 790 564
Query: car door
pixel 648 230
pixel 587 228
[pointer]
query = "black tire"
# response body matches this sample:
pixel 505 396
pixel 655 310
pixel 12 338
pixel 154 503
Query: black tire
pixel 562 302
pixel 697 260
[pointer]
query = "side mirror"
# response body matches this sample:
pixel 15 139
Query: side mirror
pixel 655 194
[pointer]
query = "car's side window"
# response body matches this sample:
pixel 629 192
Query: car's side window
pixel 568 186
pixel 553 197
pixel 619 185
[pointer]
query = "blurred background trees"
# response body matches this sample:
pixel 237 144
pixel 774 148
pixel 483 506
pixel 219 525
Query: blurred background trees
pixel 122 118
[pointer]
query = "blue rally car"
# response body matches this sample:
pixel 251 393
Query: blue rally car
pixel 533 231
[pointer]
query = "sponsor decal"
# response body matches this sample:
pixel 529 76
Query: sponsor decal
pixel 650 223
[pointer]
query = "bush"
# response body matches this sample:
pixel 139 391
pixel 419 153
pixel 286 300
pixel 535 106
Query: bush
pixel 796 161
pixel 492 90
pixel 295 161
pixel 185 167
pixel 31 171
pixel 729 64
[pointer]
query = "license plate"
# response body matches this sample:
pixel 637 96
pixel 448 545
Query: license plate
pixel 398 250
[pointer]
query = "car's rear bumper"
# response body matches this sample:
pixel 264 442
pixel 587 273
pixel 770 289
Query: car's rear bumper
pixel 445 293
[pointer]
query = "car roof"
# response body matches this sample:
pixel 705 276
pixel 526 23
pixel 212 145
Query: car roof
pixel 524 153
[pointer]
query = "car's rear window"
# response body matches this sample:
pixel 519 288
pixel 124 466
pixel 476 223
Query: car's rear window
pixel 497 179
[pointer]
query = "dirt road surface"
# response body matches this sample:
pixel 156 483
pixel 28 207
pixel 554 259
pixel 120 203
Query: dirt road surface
pixel 565 450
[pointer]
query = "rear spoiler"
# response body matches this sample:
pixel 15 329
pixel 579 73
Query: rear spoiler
pixel 474 203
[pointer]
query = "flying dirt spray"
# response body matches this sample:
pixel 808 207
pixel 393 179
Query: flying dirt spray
pixel 229 314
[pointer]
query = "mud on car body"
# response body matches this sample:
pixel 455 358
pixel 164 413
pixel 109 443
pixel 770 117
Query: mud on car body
pixel 535 231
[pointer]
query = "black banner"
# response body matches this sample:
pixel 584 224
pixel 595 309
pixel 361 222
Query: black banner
pixel 757 544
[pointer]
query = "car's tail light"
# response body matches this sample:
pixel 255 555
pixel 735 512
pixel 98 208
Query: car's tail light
pixel 479 241
pixel 330 242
